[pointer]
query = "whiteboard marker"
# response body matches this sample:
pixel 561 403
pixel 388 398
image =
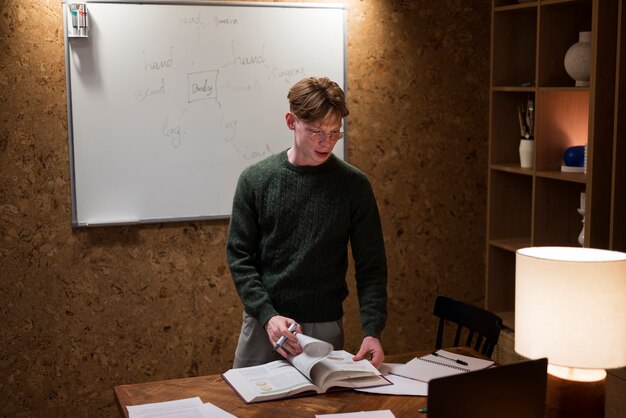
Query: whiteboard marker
pixel 82 14
pixel 74 13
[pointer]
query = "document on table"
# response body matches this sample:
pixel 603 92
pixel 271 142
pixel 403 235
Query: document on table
pixel 364 414
pixel 182 408
pixel 440 364
pixel 401 385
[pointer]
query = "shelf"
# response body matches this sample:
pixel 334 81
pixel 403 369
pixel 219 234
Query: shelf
pixel 511 244
pixel 513 52
pixel 514 89
pixel 556 217
pixel 560 24
pixel 561 176
pixel 516 6
pixel 539 206
pixel 505 131
pixel 510 211
pixel 545 3
pixel 564 89
pixel 512 168
pixel 562 121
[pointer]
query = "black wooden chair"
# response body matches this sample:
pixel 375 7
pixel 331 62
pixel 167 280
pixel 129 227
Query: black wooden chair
pixel 481 326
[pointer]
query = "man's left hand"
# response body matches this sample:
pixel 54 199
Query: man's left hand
pixel 372 349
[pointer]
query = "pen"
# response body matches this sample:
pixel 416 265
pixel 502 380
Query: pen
pixel 282 339
pixel 451 359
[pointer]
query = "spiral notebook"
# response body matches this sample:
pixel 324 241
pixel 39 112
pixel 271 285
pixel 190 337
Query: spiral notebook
pixel 441 363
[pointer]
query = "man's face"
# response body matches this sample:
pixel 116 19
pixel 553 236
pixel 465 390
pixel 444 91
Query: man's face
pixel 313 141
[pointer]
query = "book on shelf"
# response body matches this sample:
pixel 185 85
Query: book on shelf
pixel 318 369
pixel 441 363
pixel 570 169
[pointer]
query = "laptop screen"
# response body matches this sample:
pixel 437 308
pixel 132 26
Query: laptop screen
pixel 511 391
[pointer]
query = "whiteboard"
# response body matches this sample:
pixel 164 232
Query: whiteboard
pixel 169 102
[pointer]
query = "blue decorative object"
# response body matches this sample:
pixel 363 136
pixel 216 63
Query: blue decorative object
pixel 574 156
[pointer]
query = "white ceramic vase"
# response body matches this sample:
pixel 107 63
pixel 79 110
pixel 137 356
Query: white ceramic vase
pixel 526 152
pixel 578 59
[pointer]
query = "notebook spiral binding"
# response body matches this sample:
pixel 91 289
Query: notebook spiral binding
pixel 445 365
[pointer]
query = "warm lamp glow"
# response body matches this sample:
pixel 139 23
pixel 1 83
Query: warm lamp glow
pixel 570 306
pixel 578 375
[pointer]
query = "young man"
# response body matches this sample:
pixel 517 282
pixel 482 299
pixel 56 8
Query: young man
pixel 293 216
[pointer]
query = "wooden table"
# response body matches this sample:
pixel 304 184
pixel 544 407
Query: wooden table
pixel 215 390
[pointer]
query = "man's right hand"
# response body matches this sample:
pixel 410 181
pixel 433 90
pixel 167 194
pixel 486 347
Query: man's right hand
pixel 276 327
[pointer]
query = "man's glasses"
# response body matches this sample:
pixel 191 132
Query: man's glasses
pixel 319 136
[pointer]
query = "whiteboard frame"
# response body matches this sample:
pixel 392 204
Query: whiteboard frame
pixel 70 127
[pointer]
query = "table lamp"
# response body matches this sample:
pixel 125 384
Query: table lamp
pixel 570 306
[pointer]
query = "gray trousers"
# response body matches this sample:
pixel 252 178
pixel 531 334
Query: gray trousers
pixel 254 346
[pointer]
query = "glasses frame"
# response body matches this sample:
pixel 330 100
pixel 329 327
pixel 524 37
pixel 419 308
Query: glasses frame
pixel 319 136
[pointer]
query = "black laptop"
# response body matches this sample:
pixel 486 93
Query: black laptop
pixel 511 391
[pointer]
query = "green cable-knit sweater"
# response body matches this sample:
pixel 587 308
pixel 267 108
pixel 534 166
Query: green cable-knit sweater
pixel 288 242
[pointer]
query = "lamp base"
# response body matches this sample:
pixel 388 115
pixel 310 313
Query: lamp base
pixel 567 398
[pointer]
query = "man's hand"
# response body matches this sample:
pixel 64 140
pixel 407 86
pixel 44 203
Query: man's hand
pixel 371 349
pixel 278 326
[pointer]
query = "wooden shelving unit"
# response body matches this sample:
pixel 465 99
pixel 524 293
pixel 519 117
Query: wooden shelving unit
pixel 538 206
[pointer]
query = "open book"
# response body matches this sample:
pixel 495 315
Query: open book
pixel 316 370
pixel 441 363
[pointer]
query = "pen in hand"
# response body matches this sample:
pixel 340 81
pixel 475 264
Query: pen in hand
pixel 281 341
pixel 451 359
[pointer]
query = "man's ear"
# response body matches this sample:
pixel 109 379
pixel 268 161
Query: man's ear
pixel 291 120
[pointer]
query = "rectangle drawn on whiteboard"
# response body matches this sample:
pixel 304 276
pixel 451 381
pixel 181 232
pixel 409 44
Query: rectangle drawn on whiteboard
pixel 202 85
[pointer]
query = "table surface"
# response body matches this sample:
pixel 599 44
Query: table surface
pixel 215 390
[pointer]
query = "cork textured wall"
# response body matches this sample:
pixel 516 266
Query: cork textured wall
pixel 82 310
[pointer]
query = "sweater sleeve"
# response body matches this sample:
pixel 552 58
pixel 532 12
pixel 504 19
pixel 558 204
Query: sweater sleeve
pixel 241 251
pixel 368 251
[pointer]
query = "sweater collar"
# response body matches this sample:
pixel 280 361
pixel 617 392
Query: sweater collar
pixel 327 165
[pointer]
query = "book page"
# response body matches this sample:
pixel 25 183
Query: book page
pixel 314 351
pixel 338 367
pixel 273 380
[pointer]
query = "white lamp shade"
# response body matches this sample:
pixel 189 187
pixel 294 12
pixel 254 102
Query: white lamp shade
pixel 570 306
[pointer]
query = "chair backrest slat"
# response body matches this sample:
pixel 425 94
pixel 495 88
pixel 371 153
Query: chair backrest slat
pixel 457 336
pixel 439 334
pixel 470 337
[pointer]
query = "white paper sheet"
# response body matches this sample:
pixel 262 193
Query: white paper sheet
pixel 364 414
pixel 401 385
pixel 182 408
